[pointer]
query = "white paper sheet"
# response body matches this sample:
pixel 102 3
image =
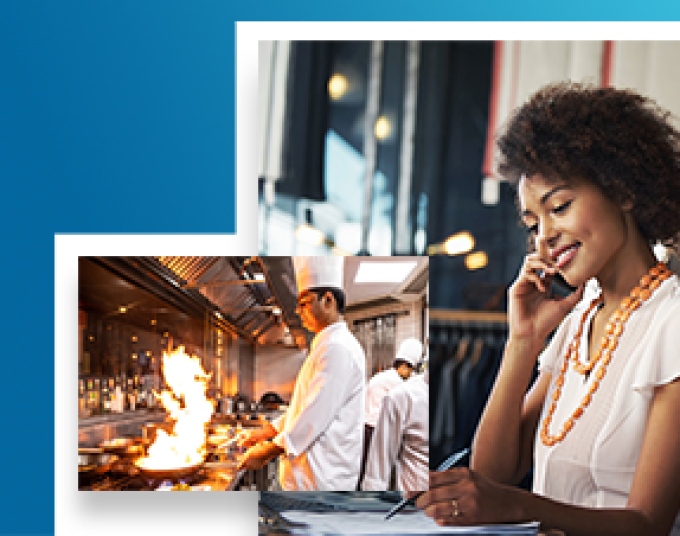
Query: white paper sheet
pixel 402 524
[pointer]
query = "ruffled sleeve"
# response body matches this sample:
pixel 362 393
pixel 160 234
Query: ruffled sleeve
pixel 659 363
pixel 548 361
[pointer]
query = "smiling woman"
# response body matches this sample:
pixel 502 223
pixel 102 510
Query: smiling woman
pixel 597 172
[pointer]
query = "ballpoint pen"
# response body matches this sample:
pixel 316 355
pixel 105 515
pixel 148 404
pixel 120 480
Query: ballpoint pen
pixel 446 464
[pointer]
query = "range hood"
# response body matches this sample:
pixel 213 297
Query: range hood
pixel 252 297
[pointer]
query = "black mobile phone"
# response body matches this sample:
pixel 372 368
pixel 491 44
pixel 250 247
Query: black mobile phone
pixel 559 288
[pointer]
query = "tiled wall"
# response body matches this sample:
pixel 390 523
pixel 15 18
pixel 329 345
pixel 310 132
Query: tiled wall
pixel 409 321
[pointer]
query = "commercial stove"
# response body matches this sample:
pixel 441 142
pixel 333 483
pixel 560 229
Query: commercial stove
pixel 120 474
pixel 110 466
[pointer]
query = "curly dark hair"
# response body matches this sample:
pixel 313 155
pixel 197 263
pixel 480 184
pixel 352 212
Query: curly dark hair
pixel 619 140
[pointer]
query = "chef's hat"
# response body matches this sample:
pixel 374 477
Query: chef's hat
pixel 410 351
pixel 315 272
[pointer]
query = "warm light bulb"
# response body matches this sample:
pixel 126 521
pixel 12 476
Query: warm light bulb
pixel 476 260
pixel 459 243
pixel 122 309
pixel 337 86
pixel 383 128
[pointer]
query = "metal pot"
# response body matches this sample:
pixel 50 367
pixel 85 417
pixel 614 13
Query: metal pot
pixel 91 460
pixel 119 445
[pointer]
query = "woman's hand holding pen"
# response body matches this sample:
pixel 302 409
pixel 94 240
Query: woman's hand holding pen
pixel 532 314
pixel 460 496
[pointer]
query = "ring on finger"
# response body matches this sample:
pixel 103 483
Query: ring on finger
pixel 456 511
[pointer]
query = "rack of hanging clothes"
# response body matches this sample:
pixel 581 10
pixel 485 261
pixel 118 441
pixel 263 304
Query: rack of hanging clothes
pixel 466 348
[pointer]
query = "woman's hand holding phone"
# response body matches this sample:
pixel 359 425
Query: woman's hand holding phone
pixel 532 312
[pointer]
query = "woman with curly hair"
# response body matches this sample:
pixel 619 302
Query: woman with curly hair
pixel 597 172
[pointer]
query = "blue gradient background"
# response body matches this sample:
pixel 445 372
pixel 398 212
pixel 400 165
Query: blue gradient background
pixel 113 113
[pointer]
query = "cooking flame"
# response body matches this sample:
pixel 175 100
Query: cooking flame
pixel 185 445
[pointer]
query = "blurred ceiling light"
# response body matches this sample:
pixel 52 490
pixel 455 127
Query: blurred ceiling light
pixel 310 235
pixel 122 309
pixel 384 272
pixel 459 243
pixel 153 322
pixel 337 86
pixel 383 128
pixel 476 260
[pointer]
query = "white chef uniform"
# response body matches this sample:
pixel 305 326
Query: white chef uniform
pixel 377 388
pixel 322 430
pixel 410 351
pixel 401 439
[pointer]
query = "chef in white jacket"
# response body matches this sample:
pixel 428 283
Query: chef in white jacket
pixel 408 356
pixel 407 359
pixel 319 438
pixel 401 439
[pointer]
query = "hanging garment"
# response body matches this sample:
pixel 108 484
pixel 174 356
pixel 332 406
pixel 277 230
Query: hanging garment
pixel 473 391
pixel 444 421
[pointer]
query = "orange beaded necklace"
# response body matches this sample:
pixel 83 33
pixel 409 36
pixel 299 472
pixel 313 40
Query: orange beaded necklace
pixel 613 330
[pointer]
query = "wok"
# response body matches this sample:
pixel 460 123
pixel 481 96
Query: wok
pixel 173 474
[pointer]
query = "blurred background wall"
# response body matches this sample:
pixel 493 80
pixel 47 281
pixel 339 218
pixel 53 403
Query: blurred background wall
pixel 386 148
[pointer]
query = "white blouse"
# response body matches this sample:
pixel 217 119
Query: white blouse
pixel 594 465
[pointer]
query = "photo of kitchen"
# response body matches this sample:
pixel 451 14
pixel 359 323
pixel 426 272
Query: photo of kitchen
pixel 251 373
